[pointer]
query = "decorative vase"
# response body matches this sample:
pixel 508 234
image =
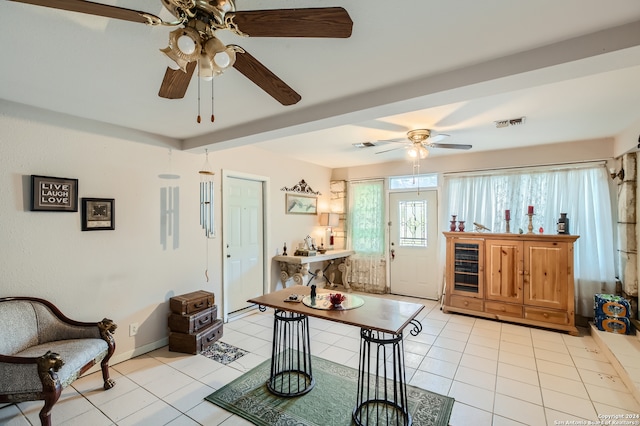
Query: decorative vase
pixel 452 227
pixel 461 226
pixel 336 299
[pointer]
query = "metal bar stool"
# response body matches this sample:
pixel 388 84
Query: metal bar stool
pixel 382 390
pixel 291 355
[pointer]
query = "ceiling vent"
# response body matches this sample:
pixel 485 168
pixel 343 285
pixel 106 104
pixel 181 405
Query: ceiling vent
pixel 364 144
pixel 510 122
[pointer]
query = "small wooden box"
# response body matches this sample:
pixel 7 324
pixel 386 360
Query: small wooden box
pixel 194 322
pixel 195 343
pixel 190 303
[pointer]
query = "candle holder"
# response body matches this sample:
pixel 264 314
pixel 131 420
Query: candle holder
pixel 508 230
pixel 530 227
pixel 452 227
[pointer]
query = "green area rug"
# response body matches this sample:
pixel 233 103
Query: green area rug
pixel 330 402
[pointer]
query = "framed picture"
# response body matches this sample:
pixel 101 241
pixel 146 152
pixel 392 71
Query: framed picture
pixel 98 214
pixel 301 204
pixel 53 194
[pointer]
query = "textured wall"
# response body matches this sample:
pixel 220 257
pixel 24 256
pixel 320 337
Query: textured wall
pixel 130 273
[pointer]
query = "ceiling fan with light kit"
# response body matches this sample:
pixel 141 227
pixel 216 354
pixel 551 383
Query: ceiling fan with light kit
pixel 194 43
pixel 419 140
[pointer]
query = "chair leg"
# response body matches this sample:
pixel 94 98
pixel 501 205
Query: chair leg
pixel 50 398
pixel 108 382
pixel 107 328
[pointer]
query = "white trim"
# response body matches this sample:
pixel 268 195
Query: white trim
pixel 125 356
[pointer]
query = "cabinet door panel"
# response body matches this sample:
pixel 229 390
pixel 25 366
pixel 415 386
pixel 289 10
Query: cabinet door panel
pixel 503 260
pixel 546 275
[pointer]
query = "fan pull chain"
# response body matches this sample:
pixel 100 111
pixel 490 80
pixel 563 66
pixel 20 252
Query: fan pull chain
pixel 199 118
pixel 213 118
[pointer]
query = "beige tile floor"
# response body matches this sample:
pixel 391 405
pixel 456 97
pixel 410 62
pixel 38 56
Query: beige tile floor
pixel 499 374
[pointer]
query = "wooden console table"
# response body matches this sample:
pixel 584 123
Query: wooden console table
pixel 298 267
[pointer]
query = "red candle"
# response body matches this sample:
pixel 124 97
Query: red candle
pixel 507 215
pixel 530 209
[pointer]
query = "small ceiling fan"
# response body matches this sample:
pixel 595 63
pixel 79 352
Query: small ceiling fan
pixel 417 146
pixel 194 42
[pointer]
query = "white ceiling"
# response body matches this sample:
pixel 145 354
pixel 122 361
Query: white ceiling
pixel 572 67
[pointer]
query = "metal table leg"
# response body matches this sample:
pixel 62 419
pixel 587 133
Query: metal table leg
pixel 291 373
pixel 382 389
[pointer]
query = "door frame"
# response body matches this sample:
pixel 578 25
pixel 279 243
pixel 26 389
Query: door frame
pixel 266 269
pixel 439 245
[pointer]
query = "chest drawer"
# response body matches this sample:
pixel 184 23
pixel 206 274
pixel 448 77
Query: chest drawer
pixel 194 322
pixel 191 302
pixel 470 303
pixel 503 309
pixel 195 343
pixel 546 315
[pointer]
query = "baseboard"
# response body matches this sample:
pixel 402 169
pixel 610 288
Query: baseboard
pixel 125 356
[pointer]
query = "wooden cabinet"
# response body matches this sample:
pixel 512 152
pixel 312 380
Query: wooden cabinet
pixel 523 278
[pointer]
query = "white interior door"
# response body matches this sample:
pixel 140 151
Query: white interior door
pixel 413 240
pixel 243 242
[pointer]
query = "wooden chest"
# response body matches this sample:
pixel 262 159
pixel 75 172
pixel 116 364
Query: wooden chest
pixel 194 322
pixel 191 302
pixel 197 342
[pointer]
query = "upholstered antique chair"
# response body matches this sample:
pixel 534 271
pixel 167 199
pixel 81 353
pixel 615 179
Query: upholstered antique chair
pixel 42 351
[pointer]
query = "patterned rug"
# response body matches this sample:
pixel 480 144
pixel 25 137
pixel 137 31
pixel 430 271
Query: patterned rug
pixel 223 352
pixel 330 402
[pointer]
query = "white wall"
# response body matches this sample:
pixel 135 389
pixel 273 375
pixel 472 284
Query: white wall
pixel 124 274
pixel 568 152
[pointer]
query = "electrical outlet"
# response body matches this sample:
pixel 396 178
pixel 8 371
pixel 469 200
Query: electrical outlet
pixel 133 329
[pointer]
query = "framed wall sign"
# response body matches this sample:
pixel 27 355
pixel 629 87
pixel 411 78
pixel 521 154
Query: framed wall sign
pixel 301 204
pixel 54 194
pixel 98 214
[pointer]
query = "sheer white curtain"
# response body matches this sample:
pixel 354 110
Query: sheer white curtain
pixel 365 235
pixel 581 191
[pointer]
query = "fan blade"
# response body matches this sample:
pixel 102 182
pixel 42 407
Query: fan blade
pixel 387 150
pixel 439 137
pixel 449 145
pixel 97 9
pixel 403 140
pixel 330 22
pixel 255 71
pixel 175 82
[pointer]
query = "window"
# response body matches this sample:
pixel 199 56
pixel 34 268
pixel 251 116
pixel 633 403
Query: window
pixel 413 223
pixel 366 236
pixel 366 217
pixel 413 182
pixel 580 191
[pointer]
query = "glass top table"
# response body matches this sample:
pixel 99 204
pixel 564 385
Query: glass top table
pixel 321 301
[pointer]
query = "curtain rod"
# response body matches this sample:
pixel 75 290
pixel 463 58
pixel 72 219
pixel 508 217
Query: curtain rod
pixel 557 166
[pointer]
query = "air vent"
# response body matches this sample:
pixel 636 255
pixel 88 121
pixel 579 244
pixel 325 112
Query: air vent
pixel 510 122
pixel 364 144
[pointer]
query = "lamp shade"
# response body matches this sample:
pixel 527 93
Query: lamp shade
pixel 329 219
